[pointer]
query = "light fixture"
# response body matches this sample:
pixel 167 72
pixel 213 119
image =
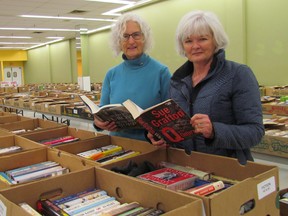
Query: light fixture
pixel 43 44
pixel 15 37
pixel 18 43
pixel 115 11
pixel 67 18
pixel 38 29
pixel 113 1
pixel 99 29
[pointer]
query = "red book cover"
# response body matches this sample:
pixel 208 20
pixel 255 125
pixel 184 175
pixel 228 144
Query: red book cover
pixel 170 178
pixel 165 120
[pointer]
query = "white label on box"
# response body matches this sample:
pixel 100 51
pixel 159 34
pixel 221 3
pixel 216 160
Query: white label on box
pixel 3 209
pixel 266 187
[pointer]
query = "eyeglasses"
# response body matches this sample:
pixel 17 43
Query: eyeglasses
pixel 135 36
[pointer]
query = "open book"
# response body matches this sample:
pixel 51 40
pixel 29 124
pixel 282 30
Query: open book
pixel 111 112
pixel 164 120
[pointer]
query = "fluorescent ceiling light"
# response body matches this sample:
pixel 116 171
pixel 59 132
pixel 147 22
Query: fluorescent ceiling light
pixel 114 1
pixel 13 48
pixel 114 12
pixel 39 29
pixel 15 37
pixel 67 18
pixel 99 29
pixel 55 37
pixel 43 44
pixel 17 43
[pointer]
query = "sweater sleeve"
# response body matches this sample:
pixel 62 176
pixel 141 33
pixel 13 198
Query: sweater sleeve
pixel 248 129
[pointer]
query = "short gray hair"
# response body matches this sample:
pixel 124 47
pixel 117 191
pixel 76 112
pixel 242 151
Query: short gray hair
pixel 200 23
pixel 119 28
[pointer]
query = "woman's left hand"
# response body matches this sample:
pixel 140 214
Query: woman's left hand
pixel 202 125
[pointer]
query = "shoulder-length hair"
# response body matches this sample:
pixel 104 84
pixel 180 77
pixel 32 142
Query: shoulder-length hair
pixel 200 23
pixel 119 28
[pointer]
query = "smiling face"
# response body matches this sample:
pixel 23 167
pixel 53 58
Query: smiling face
pixel 199 49
pixel 132 46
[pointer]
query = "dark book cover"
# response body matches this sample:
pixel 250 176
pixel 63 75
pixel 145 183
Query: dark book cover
pixel 165 120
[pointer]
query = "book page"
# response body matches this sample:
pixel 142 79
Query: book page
pixel 133 108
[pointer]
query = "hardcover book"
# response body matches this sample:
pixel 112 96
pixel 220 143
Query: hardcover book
pixel 206 189
pixel 170 178
pixel 165 120
pixel 111 112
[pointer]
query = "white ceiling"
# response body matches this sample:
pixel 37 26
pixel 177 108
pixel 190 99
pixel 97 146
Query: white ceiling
pixel 40 28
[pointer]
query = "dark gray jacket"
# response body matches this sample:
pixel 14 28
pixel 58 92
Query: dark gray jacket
pixel 230 96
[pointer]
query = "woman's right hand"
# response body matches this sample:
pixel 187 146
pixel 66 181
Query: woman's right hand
pixel 109 126
pixel 159 143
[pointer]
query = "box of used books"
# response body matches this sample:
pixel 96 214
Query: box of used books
pixel 12 118
pixel 101 192
pixel 13 144
pixel 107 149
pixel 226 187
pixel 37 165
pixel 30 126
pixel 60 136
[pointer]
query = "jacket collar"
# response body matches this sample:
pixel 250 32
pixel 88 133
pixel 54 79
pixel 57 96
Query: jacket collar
pixel 187 68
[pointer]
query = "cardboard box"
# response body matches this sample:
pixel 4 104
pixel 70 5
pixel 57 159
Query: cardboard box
pixel 38 155
pixel 13 140
pixel 275 108
pixel 60 132
pixel 257 182
pixel 100 141
pixel 12 118
pixel 30 126
pixel 272 145
pixel 122 188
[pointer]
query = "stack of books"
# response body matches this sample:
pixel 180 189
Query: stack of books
pixel 10 150
pixel 33 172
pixel 108 154
pixel 92 202
pixel 59 140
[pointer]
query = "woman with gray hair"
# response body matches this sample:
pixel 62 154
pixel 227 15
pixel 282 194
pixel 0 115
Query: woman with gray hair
pixel 221 96
pixel 139 77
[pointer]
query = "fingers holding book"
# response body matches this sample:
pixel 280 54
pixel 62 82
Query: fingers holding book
pixel 157 142
pixel 105 125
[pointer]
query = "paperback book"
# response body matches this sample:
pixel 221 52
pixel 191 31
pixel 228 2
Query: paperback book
pixel 165 120
pixel 9 150
pixel 170 178
pixel 112 112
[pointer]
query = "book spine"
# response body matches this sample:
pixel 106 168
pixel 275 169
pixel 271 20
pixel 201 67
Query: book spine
pixel 49 208
pixel 29 209
pixel 6 179
pixel 42 174
pixel 74 196
pixel 207 189
pixel 201 174
pixel 26 169
pixel 89 205
pixel 35 169
pixel 10 149
pixel 83 199
pixel 182 185
pixel 122 157
pixel 99 209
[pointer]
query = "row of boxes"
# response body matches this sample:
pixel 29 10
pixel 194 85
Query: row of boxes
pixel 257 183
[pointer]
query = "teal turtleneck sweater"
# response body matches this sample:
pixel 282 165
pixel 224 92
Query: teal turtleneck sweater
pixel 144 80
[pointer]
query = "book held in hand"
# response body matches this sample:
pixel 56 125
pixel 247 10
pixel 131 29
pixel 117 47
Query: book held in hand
pixel 111 112
pixel 165 120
